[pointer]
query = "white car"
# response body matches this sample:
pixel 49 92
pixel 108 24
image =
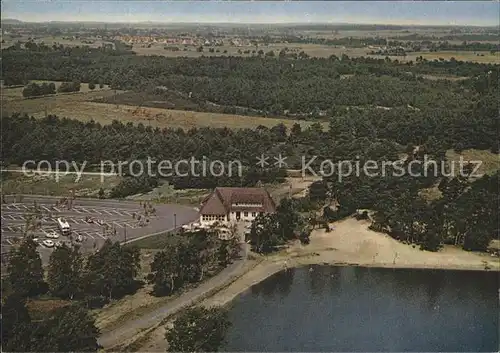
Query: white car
pixel 52 234
pixel 48 243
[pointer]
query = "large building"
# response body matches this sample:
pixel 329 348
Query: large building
pixel 228 205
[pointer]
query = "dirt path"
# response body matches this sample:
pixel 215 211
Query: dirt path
pixel 118 335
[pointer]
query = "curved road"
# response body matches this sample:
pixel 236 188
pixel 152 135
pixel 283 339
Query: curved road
pixel 127 330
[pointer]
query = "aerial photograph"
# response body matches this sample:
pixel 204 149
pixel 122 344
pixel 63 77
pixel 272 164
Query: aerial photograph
pixel 250 176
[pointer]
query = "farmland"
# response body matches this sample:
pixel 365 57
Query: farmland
pixel 60 40
pixel 313 50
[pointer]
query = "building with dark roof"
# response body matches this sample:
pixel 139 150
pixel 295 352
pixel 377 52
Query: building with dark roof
pixel 228 204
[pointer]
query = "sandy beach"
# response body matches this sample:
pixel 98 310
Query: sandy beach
pixel 350 243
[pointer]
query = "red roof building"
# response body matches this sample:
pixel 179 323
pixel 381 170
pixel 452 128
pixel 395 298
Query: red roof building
pixel 228 204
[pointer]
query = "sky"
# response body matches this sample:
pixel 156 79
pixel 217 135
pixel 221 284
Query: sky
pixel 476 13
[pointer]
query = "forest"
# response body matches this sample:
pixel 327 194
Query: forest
pixel 376 110
pixel 87 282
pixel 281 86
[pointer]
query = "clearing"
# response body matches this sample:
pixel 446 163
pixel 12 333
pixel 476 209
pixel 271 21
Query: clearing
pixel 79 106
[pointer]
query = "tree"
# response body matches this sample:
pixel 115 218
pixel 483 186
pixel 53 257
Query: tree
pixel 265 233
pixel 198 330
pixel 91 85
pixel 111 271
pixel 68 329
pixel 295 132
pixel 25 270
pixel 165 271
pixel 288 219
pixel 65 272
pixel 16 323
pixel 318 191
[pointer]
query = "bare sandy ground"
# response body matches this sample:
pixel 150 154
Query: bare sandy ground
pixel 349 243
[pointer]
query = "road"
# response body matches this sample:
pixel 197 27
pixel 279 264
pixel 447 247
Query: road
pixel 131 327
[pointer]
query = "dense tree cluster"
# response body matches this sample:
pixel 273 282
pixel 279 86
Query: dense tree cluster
pixel 108 273
pixel 300 86
pixel 34 89
pixel 271 230
pixel 189 259
pixel 377 110
pixel 198 330
pixel 68 328
pixel 69 87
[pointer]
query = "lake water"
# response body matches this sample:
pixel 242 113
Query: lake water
pixel 368 309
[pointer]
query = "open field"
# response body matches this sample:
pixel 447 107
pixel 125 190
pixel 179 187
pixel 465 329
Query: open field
pixel 77 106
pixel 490 162
pixel 437 32
pixel 50 40
pixel 49 103
pixel 87 186
pixel 105 113
pixel 479 57
pixel 314 50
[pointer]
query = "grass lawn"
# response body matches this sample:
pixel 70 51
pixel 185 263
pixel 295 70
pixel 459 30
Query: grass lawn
pixel 78 106
pixel 88 186
pixel 158 241
pixel 490 162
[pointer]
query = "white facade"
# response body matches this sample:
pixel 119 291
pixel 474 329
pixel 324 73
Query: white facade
pixel 232 217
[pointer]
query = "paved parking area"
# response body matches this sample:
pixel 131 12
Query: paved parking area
pixel 118 220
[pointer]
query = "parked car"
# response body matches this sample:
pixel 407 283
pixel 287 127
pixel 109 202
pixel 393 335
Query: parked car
pixel 48 243
pixel 52 234
pixel 79 238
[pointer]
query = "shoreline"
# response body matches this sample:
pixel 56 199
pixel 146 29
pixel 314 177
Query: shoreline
pixel 269 267
pixel 349 244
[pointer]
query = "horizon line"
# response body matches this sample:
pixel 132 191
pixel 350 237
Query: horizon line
pixel 252 23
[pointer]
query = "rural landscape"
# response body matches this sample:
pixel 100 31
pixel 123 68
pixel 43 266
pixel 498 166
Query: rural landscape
pixel 172 186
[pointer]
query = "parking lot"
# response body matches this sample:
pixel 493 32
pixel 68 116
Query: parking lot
pixel 91 221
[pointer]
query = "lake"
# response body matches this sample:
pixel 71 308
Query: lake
pixel 329 308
